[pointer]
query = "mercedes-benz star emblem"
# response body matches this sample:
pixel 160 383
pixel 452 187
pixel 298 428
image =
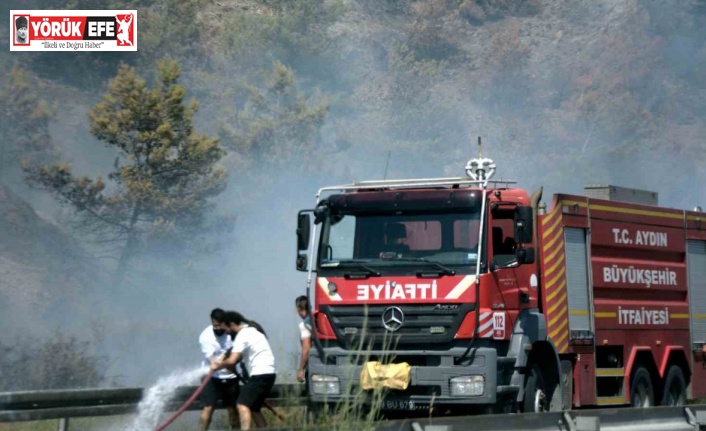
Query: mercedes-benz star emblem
pixel 392 318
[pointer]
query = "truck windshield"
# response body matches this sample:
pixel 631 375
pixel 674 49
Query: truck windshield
pixel 449 239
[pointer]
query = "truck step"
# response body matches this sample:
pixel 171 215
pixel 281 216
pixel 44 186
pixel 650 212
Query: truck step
pixel 507 389
pixel 610 401
pixel 610 372
pixel 507 360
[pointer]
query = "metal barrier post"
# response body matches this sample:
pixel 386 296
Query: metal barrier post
pixel 698 420
pixel 63 424
pixel 588 423
pixel 579 423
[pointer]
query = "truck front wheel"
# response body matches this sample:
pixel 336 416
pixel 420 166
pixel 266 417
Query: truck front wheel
pixel 535 398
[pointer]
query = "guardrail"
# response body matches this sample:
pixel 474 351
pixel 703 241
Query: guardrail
pixel 691 418
pixel 71 403
pixel 64 404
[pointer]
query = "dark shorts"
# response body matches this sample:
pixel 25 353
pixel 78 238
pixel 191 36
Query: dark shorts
pixel 256 389
pixel 227 390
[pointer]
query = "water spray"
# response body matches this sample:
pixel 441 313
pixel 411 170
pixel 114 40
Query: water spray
pixel 156 399
pixel 198 390
pixel 193 396
pixel 188 402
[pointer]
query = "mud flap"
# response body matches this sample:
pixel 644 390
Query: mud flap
pixel 567 384
pixel 558 396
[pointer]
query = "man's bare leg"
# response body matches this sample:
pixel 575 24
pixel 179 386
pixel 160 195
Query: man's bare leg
pixel 259 419
pixel 244 414
pixel 233 418
pixel 205 419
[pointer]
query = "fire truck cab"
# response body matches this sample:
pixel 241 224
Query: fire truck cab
pixel 493 302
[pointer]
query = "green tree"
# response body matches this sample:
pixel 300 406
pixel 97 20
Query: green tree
pixel 165 174
pixel 277 125
pixel 175 29
pixel 24 123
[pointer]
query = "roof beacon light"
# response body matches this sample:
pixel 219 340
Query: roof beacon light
pixel 479 168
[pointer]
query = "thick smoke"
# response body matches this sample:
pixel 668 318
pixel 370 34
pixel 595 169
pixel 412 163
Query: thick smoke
pixel 567 94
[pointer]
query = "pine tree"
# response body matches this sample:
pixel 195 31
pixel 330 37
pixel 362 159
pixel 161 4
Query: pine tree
pixel 24 124
pixel 165 174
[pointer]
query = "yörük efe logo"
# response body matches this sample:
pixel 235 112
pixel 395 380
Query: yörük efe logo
pixel 79 30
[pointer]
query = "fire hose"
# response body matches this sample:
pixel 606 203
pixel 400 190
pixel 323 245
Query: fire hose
pixel 196 393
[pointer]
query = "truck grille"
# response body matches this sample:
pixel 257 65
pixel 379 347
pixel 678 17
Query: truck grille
pixel 422 324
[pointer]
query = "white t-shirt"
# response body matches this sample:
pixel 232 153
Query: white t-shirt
pixel 212 346
pixel 305 328
pixel 256 351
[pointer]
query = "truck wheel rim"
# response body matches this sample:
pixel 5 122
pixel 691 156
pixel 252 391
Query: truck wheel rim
pixel 539 400
pixel 674 395
pixel 641 398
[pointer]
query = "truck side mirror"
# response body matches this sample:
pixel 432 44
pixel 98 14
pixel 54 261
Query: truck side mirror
pixel 524 255
pixel 303 236
pixel 524 221
pixel 303 230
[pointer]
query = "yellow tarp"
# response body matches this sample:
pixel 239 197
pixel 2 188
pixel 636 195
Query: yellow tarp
pixel 393 376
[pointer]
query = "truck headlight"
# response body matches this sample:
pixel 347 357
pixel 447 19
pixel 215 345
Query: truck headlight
pixel 325 385
pixel 467 386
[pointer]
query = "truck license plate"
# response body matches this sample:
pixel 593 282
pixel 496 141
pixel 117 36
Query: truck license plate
pixel 400 405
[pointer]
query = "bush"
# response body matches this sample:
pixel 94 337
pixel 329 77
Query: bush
pixel 60 362
pixel 479 11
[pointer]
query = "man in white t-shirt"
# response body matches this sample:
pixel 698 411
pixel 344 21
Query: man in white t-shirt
pixel 215 342
pixel 250 346
pixel 302 304
pixel 305 328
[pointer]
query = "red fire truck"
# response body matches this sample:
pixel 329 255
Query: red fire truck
pixel 494 301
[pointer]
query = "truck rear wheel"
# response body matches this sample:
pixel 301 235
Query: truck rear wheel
pixel 535 399
pixel 674 387
pixel 641 390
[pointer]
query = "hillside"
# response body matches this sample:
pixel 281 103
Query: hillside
pixel 586 91
pixel 42 270
pixel 309 93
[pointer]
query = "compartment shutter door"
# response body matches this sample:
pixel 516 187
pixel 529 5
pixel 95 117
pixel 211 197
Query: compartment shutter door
pixel 696 260
pixel 577 279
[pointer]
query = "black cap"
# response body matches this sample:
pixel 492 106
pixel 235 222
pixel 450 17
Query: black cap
pixel 21 22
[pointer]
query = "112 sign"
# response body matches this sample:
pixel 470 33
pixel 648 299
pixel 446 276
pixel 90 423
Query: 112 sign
pixel 499 325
